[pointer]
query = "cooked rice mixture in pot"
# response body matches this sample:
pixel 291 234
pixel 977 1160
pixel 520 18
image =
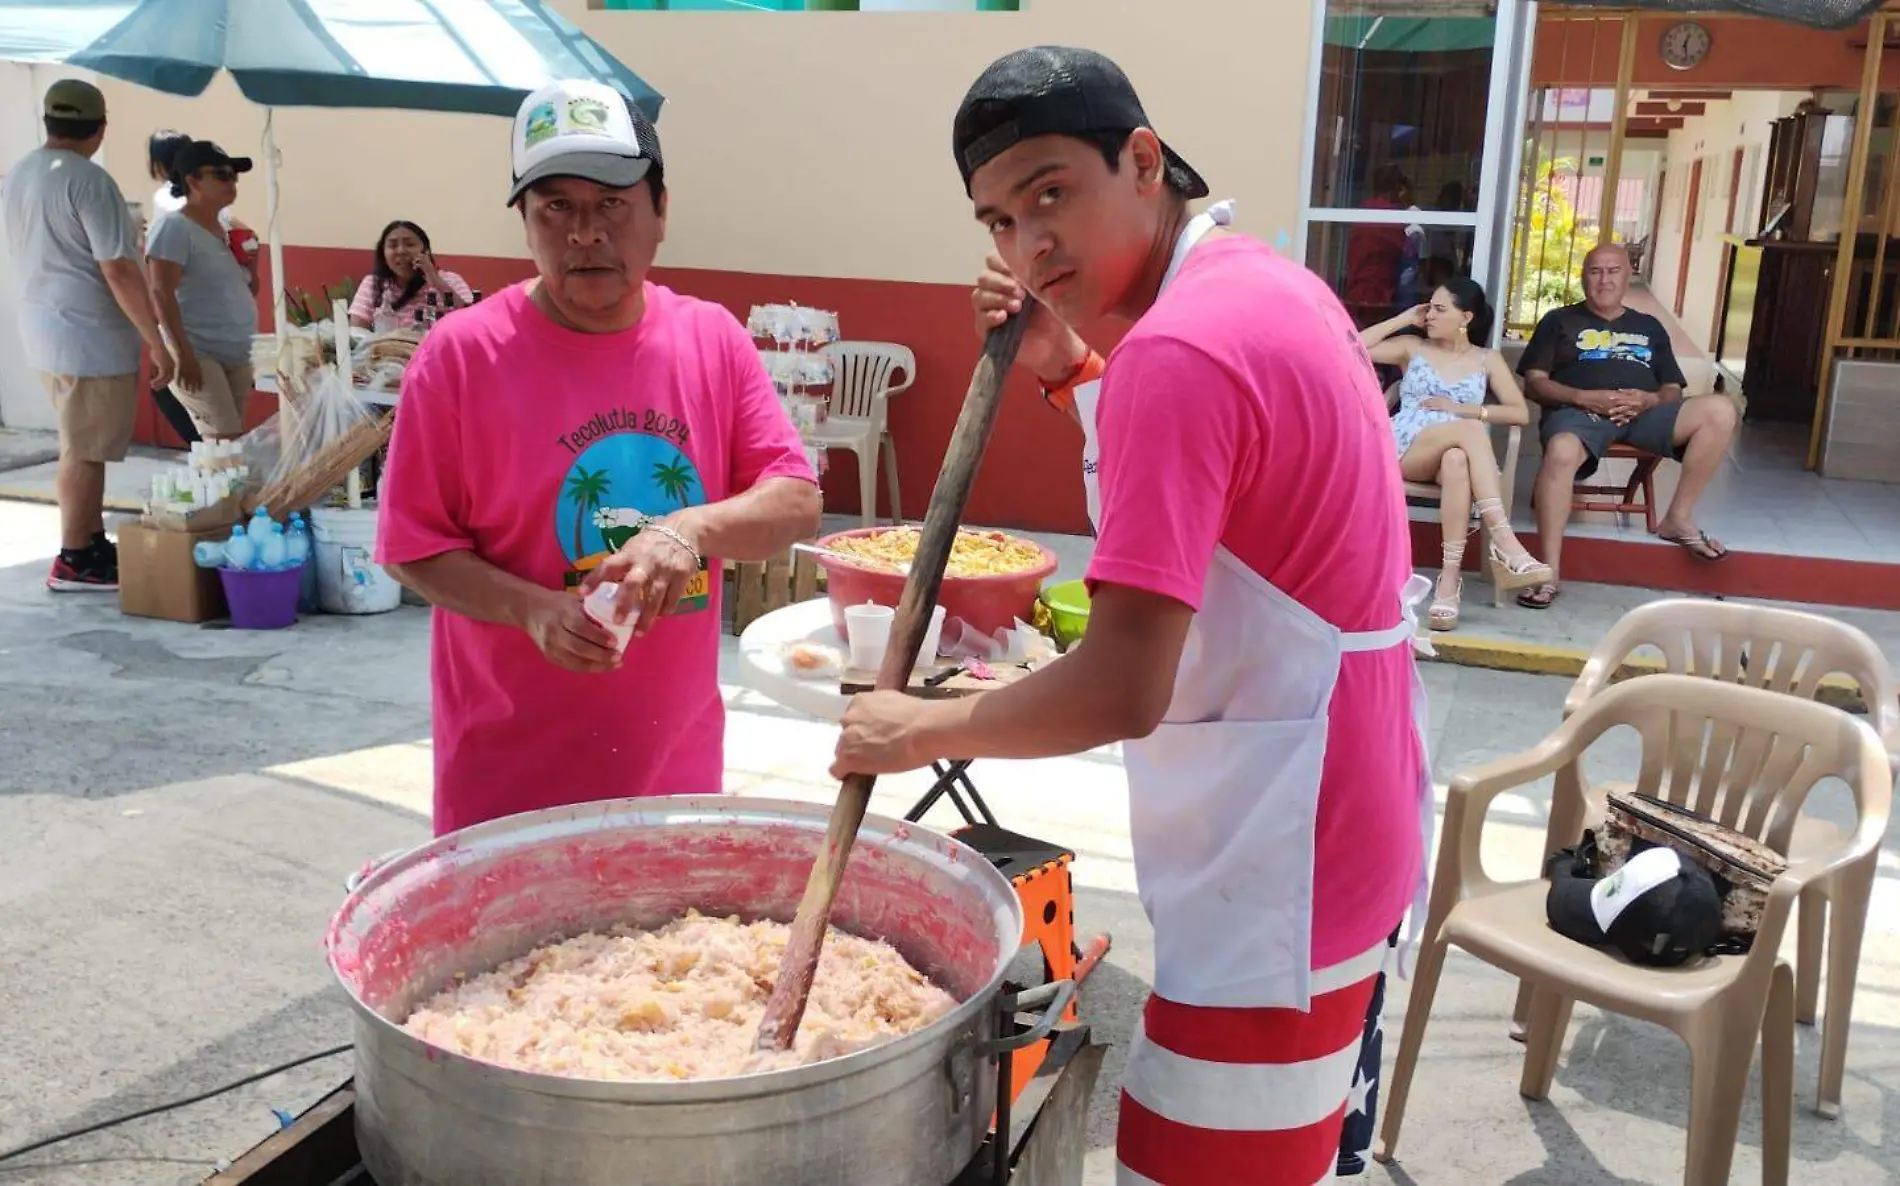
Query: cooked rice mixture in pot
pixel 680 1002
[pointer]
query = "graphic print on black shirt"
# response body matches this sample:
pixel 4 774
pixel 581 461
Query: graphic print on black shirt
pixel 1580 349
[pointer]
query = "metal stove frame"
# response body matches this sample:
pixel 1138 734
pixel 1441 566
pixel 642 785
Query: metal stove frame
pixel 1045 1130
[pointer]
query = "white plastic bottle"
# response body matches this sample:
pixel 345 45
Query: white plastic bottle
pixel 239 551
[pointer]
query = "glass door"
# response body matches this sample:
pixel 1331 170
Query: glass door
pixel 1410 102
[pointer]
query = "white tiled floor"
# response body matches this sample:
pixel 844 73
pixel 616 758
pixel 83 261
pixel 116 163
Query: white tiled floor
pixel 1761 501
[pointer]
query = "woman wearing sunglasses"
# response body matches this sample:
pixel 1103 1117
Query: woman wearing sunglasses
pixel 203 294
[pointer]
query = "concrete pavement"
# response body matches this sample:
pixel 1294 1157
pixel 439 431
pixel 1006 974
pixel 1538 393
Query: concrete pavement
pixel 179 806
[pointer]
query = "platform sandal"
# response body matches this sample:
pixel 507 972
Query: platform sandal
pixel 1444 611
pixel 1509 573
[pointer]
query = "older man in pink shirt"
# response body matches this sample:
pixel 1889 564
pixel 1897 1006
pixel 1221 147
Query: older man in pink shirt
pixel 586 425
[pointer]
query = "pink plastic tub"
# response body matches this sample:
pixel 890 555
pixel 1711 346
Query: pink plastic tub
pixel 986 604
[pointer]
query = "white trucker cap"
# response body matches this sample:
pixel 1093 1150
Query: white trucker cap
pixel 581 128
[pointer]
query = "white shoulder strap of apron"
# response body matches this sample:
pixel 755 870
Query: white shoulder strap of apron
pixel 1219 214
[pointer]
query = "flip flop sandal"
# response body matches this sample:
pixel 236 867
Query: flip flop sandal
pixel 1698 545
pixel 1538 598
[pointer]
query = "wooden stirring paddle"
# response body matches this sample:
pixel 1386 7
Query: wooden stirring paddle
pixel 786 1007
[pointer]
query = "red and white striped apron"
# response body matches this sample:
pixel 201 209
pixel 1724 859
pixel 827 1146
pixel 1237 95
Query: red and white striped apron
pixel 1240 1071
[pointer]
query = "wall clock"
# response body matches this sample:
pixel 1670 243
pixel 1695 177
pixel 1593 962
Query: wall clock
pixel 1685 44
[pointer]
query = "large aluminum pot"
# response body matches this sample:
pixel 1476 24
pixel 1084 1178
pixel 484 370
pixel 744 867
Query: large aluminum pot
pixel 910 1112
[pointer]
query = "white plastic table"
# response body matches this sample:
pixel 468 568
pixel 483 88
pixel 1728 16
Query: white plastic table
pixel 763 644
pixel 267 381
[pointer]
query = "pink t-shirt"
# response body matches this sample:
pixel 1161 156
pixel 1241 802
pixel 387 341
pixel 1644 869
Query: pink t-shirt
pixel 1242 410
pixel 539 449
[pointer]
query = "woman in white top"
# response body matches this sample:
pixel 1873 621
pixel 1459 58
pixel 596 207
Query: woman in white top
pixel 1441 433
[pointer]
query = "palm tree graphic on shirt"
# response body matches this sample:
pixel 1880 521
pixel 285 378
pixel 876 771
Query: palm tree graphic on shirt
pixel 675 479
pixel 588 488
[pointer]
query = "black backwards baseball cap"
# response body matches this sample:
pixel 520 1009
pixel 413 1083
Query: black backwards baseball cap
pixel 1656 908
pixel 580 128
pixel 1053 90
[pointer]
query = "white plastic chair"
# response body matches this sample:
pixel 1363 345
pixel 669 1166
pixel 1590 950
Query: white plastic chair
pixel 1790 652
pixel 864 378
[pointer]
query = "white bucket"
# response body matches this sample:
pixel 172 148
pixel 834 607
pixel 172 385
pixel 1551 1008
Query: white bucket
pixel 348 580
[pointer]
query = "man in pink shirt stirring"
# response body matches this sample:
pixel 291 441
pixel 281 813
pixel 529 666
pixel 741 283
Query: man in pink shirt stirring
pixel 1251 632
pixel 585 426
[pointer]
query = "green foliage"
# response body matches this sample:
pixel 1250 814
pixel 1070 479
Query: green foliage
pixel 1548 246
pixel 303 307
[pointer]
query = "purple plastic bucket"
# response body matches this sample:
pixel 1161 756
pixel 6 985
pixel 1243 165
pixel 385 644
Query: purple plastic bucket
pixel 262 600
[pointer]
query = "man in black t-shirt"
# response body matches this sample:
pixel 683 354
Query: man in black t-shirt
pixel 1604 373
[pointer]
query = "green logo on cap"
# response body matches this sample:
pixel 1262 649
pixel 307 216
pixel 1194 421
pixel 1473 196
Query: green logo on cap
pixel 587 115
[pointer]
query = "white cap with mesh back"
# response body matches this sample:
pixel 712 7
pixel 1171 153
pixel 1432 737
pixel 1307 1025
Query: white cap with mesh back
pixel 580 128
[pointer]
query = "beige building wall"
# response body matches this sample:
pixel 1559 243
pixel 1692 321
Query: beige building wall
pixel 800 144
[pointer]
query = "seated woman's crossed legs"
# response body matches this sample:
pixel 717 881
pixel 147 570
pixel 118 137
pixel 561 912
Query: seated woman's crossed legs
pixel 1458 456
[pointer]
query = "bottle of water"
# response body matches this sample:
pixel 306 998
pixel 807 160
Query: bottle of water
pixel 260 523
pixel 207 554
pixel 239 551
pixel 296 541
pixel 270 548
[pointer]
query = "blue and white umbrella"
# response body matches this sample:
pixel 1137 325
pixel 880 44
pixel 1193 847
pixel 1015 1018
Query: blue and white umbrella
pixel 472 56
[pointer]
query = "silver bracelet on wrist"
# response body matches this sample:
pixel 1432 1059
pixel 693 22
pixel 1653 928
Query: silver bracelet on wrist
pixel 676 537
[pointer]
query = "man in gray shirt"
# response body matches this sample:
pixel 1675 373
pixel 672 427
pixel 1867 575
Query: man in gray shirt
pixel 83 311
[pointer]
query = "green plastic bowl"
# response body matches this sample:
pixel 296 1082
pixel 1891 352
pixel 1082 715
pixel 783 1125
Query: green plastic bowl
pixel 1068 603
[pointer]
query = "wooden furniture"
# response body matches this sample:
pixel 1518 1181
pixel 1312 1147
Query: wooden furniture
pixel 1781 317
pixel 1636 494
pixel 758 589
pixel 1806 176
pixel 1777 283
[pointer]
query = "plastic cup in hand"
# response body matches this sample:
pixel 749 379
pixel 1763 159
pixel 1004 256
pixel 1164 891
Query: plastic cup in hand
pixel 599 606
pixel 867 628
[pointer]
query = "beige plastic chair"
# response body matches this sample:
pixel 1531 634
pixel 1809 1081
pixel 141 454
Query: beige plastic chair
pixel 1790 652
pixel 1507 485
pixel 863 380
pixel 1764 753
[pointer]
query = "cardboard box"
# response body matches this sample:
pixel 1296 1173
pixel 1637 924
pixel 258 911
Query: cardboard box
pixel 159 579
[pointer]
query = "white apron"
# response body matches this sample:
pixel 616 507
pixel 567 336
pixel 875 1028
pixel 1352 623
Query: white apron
pixel 1223 796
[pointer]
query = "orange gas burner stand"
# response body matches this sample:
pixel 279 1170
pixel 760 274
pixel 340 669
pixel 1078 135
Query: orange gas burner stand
pixel 1040 872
